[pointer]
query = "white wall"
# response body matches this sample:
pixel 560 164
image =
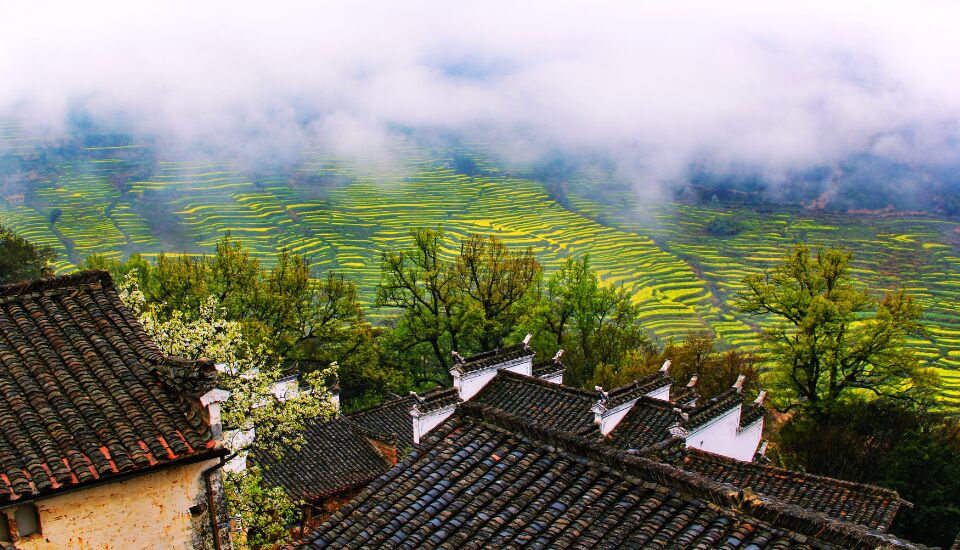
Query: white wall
pixel 471 383
pixel 423 423
pixel 662 394
pixel 554 379
pixel 748 440
pixel 722 436
pixel 612 417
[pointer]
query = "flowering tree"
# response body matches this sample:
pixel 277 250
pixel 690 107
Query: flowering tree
pixel 253 405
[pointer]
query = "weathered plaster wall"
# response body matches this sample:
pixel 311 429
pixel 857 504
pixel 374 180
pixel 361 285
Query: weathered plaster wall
pixel 149 511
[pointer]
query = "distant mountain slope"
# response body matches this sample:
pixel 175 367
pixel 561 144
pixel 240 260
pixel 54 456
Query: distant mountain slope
pixel 114 197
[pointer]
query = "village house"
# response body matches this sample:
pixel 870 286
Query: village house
pixel 486 478
pixel 510 455
pixel 104 441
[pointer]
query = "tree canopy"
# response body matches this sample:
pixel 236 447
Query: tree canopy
pixel 308 320
pixel 831 337
pixel 20 259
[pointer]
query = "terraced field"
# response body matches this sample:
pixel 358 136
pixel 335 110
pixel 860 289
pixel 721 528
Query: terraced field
pixel 916 252
pixel 120 199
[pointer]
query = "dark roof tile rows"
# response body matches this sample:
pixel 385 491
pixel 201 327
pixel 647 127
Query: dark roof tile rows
pixel 437 399
pixel 559 407
pixel 490 358
pixel 865 504
pixel 490 479
pixel 392 417
pixel 550 367
pixel 684 396
pixel 85 395
pixel 714 408
pixel 752 414
pixel 336 456
pixel 647 423
pixel 635 389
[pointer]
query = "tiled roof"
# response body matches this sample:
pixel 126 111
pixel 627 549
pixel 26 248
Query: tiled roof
pixel 437 399
pixel 635 389
pixel 486 479
pixel 501 355
pixel 647 423
pixel 552 405
pixel 85 395
pixel 751 414
pixel 865 504
pixel 550 367
pixel 683 395
pixel 391 417
pixel 714 408
pixel 336 455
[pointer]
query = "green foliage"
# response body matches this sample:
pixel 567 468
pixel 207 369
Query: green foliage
pixel 887 443
pixel 592 322
pixel 249 376
pixel 281 312
pixel 20 259
pixel 725 225
pixel 466 305
pixel 265 512
pixel 698 354
pixel 487 295
pixel 435 318
pixel 832 336
pixel 496 280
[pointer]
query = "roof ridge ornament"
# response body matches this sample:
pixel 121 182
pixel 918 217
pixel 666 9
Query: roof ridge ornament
pixel 693 381
pixel 526 340
pixel 666 366
pixel 457 358
pixel 738 385
pixel 557 356
pixel 760 397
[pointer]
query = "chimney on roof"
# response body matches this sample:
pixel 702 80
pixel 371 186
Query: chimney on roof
pixel 211 401
pixel 693 381
pixel 760 397
pixel 559 354
pixel 666 366
pixel 739 383
pixel 526 340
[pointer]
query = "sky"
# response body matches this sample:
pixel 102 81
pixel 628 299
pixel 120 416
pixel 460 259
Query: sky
pixel 653 86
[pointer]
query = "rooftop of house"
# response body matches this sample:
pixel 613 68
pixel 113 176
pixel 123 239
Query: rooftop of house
pixel 868 505
pixel 648 422
pixel 85 395
pixel 487 478
pixel 715 408
pixel 481 361
pixel 336 455
pixel 392 417
pixel 549 404
pixel 635 389
pixel 550 367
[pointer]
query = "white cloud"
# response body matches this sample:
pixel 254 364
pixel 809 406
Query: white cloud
pixel 779 85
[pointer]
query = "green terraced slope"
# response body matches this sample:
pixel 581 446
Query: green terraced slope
pixel 121 199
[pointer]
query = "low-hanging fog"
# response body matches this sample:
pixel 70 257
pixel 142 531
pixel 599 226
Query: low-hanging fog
pixel 653 87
